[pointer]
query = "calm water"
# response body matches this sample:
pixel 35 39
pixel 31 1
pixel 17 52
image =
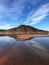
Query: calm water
pixel 30 52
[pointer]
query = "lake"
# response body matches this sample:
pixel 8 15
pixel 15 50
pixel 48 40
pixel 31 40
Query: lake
pixel 30 52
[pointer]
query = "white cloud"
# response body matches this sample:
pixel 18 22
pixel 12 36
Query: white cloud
pixel 38 19
pixel 42 10
pixel 13 10
pixel 16 8
pixel 39 15
pixel 6 26
pixel 12 13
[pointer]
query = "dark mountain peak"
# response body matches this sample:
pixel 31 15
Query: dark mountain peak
pixel 24 26
pixel 27 28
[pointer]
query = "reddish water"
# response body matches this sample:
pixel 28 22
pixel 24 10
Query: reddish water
pixel 30 52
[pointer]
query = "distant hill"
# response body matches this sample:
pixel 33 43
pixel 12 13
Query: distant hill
pixel 26 28
pixel 22 29
pixel 2 30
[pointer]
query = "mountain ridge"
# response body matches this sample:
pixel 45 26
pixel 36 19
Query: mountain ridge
pixel 26 28
pixel 23 29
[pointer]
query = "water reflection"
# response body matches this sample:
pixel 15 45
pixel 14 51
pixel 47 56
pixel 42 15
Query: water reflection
pixel 44 41
pixel 29 52
pixel 17 36
pixel 5 44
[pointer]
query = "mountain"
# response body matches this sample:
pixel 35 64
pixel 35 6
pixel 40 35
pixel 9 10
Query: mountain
pixel 22 29
pixel 2 30
pixel 26 28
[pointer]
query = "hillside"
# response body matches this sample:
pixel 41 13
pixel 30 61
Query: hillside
pixel 26 28
pixel 2 30
pixel 22 29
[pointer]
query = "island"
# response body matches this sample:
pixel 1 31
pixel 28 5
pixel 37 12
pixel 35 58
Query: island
pixel 24 32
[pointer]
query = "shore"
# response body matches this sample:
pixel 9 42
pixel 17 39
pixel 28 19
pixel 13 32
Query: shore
pixel 30 36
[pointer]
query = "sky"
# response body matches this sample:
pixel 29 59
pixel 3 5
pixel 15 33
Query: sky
pixel 24 12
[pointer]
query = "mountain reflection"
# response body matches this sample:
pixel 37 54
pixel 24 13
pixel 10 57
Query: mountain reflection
pixel 16 37
pixel 28 52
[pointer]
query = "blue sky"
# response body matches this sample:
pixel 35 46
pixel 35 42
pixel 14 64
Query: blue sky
pixel 29 12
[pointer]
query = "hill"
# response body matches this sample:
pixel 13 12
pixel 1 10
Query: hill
pixel 26 28
pixel 2 30
pixel 22 29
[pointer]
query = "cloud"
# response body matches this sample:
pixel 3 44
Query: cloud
pixel 11 9
pixel 17 10
pixel 38 19
pixel 43 9
pixel 14 8
pixel 39 15
pixel 6 26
